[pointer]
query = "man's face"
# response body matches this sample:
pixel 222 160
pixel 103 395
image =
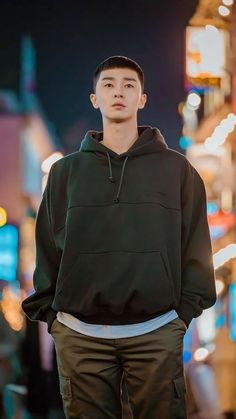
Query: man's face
pixel 118 86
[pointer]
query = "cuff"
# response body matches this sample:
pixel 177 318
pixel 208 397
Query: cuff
pixel 51 315
pixel 187 312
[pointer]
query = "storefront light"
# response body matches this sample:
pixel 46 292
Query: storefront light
pixel 11 307
pixel 212 208
pixel 223 11
pixel 226 200
pixel 232 117
pixel 232 311
pixel 224 255
pixel 200 354
pixel 221 132
pixel 205 56
pixel 193 100
pixel 206 326
pixel 185 142
pixel 228 2
pixel 211 28
pixel 3 216
pixel 220 286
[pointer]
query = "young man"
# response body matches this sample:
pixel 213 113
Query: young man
pixel 124 259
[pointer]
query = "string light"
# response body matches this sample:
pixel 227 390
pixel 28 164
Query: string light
pixel 11 308
pixel 221 132
pixel 224 255
pixel 3 216
pixel 228 2
pixel 223 11
pixel 220 286
pixel 201 354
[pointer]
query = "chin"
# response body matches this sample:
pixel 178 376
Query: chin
pixel 118 120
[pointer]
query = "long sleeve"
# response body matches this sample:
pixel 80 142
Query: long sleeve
pixel 38 305
pixel 198 280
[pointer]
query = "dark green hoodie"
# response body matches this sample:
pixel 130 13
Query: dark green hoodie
pixel 123 238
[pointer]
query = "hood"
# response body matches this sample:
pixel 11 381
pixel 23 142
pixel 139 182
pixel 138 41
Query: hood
pixel 149 141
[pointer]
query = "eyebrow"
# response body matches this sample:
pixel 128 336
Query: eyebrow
pixel 124 78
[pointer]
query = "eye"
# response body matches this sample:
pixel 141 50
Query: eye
pixel 129 85
pixel 108 84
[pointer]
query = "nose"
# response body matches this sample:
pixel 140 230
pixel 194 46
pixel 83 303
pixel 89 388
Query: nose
pixel 118 91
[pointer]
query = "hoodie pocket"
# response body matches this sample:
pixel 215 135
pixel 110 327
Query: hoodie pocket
pixel 118 281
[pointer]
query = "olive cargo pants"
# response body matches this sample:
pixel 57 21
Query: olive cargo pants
pixel 91 370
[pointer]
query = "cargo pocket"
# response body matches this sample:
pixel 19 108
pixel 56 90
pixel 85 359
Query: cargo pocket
pixel 178 402
pixel 65 387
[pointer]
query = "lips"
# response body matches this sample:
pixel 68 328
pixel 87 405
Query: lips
pixel 119 104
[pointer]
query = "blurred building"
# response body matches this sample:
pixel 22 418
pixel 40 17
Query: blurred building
pixel 28 148
pixel 27 140
pixel 209 138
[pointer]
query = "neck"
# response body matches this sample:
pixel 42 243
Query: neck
pixel 119 137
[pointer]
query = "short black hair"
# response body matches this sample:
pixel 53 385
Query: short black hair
pixel 118 61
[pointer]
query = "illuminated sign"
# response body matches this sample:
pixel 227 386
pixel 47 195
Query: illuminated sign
pixel 232 311
pixel 3 216
pixel 206 325
pixel 220 314
pixel 8 252
pixel 187 343
pixel 220 223
pixel 205 56
pixel 213 167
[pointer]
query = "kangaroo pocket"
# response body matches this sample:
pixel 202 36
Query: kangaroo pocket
pixel 116 282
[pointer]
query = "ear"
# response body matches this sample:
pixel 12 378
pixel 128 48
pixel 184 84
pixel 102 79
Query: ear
pixel 93 100
pixel 142 101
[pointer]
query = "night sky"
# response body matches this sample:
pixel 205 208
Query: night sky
pixel 72 37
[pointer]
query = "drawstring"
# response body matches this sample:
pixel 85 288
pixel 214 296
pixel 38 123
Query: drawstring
pixel 116 199
pixel 110 168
